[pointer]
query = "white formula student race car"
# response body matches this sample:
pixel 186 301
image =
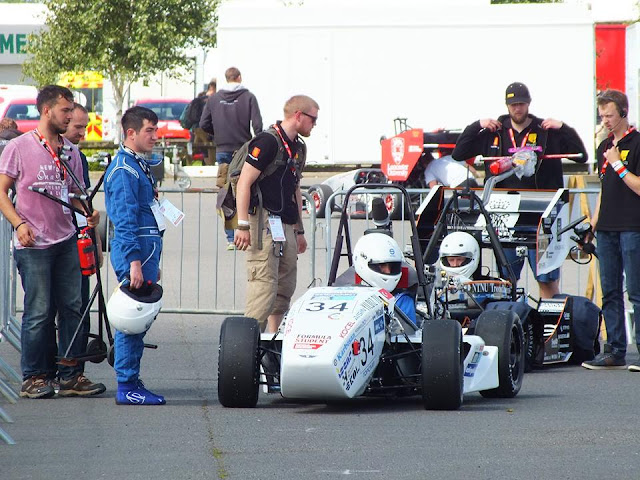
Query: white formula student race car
pixel 342 341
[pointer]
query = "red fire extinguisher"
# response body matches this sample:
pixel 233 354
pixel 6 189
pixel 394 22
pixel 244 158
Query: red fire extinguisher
pixel 86 250
pixel 501 165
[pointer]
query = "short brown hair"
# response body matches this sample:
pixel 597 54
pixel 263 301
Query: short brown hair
pixel 616 97
pixel 50 95
pixel 79 106
pixel 299 103
pixel 232 74
pixel 8 124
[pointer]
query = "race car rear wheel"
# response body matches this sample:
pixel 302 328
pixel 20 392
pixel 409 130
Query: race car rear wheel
pixel 319 195
pixel 238 369
pixel 442 365
pixel 504 330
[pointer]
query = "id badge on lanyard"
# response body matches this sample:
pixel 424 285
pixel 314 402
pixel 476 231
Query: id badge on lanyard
pixel 157 214
pixel 64 196
pixel 277 230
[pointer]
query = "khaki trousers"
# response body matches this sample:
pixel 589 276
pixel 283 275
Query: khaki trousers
pixel 271 277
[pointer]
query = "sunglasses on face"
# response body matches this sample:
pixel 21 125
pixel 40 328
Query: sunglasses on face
pixel 313 119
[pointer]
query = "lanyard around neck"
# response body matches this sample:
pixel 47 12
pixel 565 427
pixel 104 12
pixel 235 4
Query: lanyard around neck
pixel 284 142
pixel 603 170
pixel 143 165
pixel 47 146
pixel 513 138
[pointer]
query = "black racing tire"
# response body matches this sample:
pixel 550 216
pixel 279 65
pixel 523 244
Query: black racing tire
pixel 238 368
pixel 111 354
pixel 102 228
pixel 442 365
pixel 320 194
pixel 98 348
pixel 504 330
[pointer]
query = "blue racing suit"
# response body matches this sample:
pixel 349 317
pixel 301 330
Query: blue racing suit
pixel 407 305
pixel 129 194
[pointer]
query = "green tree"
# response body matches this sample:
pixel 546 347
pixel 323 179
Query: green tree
pixel 124 40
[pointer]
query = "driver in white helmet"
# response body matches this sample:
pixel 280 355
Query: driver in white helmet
pixel 460 255
pixel 378 262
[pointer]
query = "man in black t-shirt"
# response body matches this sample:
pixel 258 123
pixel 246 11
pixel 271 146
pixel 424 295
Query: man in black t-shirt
pixel 272 270
pixel 517 130
pixel 617 225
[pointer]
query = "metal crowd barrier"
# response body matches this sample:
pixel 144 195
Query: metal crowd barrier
pixel 9 328
pixel 199 274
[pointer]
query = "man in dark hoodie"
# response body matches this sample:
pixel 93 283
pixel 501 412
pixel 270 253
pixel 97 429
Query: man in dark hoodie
pixel 519 129
pixel 229 115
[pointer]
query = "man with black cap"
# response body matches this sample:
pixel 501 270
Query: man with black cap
pixel 516 130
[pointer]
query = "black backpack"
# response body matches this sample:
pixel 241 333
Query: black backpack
pixel 190 117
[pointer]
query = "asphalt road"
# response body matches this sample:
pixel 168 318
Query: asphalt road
pixel 566 423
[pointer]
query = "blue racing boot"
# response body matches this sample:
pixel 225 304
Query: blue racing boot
pixel 135 393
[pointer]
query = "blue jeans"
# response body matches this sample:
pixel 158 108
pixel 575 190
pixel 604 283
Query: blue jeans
pixel 50 275
pixel 517 264
pixel 83 334
pixel 618 252
pixel 225 157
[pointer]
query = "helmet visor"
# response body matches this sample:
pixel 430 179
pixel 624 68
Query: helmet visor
pixel 386 268
pixel 466 259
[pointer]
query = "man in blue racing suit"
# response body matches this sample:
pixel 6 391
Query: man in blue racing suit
pixel 132 206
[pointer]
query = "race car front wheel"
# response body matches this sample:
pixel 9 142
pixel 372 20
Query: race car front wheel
pixel 320 194
pixel 442 365
pixel 238 369
pixel 504 330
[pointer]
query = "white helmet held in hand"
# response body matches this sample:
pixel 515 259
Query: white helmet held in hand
pixel 133 311
pixel 460 244
pixel 378 260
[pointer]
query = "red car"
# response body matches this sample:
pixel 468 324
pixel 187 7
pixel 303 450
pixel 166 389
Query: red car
pixel 168 111
pixel 22 110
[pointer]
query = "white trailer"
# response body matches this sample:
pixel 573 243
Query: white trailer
pixel 439 64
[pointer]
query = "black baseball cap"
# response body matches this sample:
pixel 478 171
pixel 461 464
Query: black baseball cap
pixel 517 93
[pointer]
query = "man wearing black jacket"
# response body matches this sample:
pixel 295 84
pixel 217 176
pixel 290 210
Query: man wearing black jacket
pixel 617 225
pixel 507 134
pixel 229 115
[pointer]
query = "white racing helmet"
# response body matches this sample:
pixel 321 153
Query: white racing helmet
pixel 460 244
pixel 370 252
pixel 133 311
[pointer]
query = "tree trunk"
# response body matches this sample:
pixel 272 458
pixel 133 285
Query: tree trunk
pixel 118 86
